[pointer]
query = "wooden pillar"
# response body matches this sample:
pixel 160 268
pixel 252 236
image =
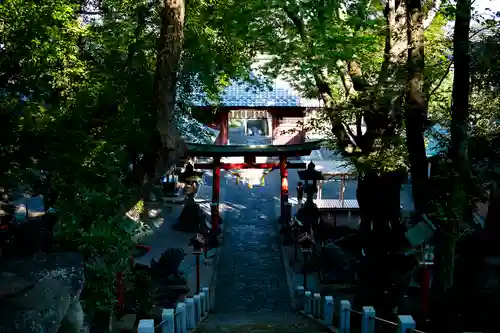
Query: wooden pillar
pixel 284 183
pixel 342 186
pixel 223 127
pixel 215 195
pixel 275 124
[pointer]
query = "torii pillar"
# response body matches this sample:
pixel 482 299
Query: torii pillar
pixel 214 206
pixel 284 183
pixel 223 121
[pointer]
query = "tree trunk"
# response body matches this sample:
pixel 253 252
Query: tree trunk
pixel 380 230
pixel 459 122
pixel 167 68
pixel 492 223
pixel 455 208
pixel 416 106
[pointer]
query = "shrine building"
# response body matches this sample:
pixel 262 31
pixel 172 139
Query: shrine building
pixel 247 113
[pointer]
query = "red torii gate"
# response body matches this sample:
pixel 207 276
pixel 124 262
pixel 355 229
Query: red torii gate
pixel 249 152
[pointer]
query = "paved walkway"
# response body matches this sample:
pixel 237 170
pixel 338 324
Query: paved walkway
pixel 252 294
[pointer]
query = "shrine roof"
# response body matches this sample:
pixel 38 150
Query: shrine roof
pixel 244 94
pixel 303 149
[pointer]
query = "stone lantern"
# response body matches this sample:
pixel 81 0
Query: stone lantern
pixel 192 217
pixel 311 177
pixel 305 242
pixel 199 244
pixel 190 179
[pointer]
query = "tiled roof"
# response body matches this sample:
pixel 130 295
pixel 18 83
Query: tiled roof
pixel 244 94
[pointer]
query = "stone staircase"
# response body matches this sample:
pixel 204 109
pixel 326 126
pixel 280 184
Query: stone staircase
pixel 259 323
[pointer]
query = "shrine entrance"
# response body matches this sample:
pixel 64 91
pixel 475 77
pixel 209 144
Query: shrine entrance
pixel 249 153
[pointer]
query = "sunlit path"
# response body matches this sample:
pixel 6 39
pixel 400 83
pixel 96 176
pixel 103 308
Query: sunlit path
pixel 252 293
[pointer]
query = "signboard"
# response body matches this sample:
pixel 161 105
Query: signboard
pixel 249 114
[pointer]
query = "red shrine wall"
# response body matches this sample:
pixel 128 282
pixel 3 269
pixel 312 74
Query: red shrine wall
pixel 287 130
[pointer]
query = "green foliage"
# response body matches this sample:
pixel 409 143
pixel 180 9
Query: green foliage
pixel 77 99
pixel 76 104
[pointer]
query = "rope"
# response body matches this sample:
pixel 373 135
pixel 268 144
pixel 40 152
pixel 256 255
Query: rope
pixel 157 326
pixel 354 311
pixel 415 330
pixel 385 321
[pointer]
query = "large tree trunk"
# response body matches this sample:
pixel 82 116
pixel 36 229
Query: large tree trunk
pixel 416 106
pixel 167 68
pixel 381 234
pixel 457 204
pixel 492 223
pixel 459 125
pixel 165 88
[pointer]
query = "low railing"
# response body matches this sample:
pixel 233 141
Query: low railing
pixel 323 310
pixel 184 317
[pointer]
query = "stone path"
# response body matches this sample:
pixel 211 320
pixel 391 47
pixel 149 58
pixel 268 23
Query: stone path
pixel 252 294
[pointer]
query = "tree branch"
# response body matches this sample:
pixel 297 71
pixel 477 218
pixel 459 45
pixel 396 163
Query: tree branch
pixel 323 88
pixel 441 80
pixel 431 14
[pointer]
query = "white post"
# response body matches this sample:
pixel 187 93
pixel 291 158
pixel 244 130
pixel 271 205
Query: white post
pixel 180 316
pixel 190 313
pixel 307 302
pixel 345 317
pixel 207 299
pixel 317 305
pixel 167 317
pixel 299 296
pixel 405 323
pixel 146 326
pixel 368 319
pixel 197 307
pixel 328 311
pixel 203 302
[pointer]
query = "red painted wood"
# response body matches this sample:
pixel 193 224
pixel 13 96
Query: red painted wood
pixel 224 127
pixel 120 293
pixel 275 124
pixel 227 166
pixel 215 195
pixel 284 182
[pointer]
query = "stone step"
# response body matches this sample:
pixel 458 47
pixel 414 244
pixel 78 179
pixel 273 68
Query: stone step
pixel 257 322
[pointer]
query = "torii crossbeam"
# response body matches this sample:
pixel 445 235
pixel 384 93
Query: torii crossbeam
pixel 249 152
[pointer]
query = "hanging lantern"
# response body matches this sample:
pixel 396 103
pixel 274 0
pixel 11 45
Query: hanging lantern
pixel 284 184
